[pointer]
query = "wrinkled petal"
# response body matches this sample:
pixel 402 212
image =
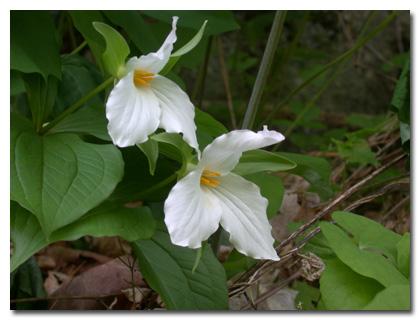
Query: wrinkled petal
pixel 155 61
pixel 133 113
pixel 192 213
pixel 177 110
pixel 244 217
pixel 224 152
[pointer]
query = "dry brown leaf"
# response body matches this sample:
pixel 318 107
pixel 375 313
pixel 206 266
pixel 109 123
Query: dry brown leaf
pixel 103 280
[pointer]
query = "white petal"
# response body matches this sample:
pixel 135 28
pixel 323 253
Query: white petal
pixel 133 113
pixel 177 110
pixel 224 152
pixel 244 217
pixel 192 213
pixel 155 61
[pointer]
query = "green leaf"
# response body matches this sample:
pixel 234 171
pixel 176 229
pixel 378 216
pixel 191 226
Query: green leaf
pixel 403 260
pixel 26 235
pixel 79 77
pixel 41 96
pixel 307 296
pixel 208 128
pixel 87 120
pixel 82 20
pixel 343 289
pixel 27 282
pixel 218 21
pixel 116 50
pixel 150 148
pixel 17 86
pixel 271 188
pixel 395 297
pixel 33 43
pixel 369 234
pixel 260 160
pixel 317 244
pixel 168 270
pixel 59 177
pixel 173 146
pixel 138 184
pixel 401 99
pixel 136 28
pixel 364 261
pixel 109 219
pixel 315 170
pixel 356 150
pixel 184 50
pixel 237 262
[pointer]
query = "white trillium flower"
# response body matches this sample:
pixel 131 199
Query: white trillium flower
pixel 211 194
pixel 143 100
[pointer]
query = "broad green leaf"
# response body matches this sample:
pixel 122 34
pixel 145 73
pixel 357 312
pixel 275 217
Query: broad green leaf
pixel 168 270
pixel 315 170
pixel 395 297
pixel 208 128
pixel 369 234
pixel 108 219
pixel 364 261
pixel 137 29
pixel 41 96
pixel 59 177
pixel 343 289
pixel 403 260
pixel 33 43
pixel 176 148
pixel 218 21
pixel 82 20
pixel 87 120
pixel 116 50
pixel 260 160
pixel 307 296
pixel 184 50
pixel 27 282
pixel 150 148
pixel 79 77
pixel 25 234
pixel 271 188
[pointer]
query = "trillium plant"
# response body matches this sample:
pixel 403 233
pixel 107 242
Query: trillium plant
pixel 125 152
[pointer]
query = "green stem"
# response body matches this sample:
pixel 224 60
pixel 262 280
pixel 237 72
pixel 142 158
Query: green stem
pixel 263 72
pixel 337 60
pixel 77 104
pixel 80 47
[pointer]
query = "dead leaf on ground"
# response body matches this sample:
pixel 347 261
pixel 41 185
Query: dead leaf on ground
pixel 103 280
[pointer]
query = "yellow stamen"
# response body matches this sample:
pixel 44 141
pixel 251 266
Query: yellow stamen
pixel 142 78
pixel 209 178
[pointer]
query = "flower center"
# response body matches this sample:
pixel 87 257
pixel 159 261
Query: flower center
pixel 142 78
pixel 210 178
